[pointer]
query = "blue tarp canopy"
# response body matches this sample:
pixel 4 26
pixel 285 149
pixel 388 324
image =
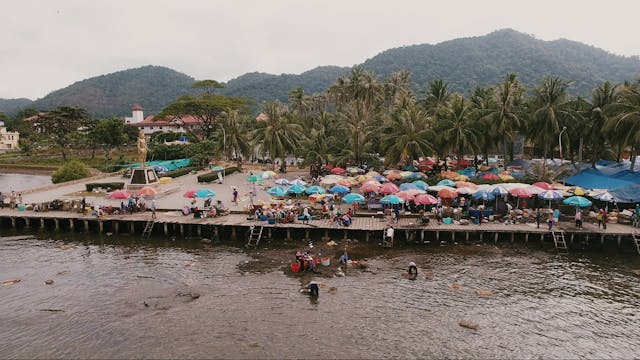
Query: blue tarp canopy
pixel 628 194
pixel 595 179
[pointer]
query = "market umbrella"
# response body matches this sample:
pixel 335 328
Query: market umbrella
pixel 484 195
pixel 421 184
pixel 372 173
pixel 448 193
pixel 405 195
pixel 344 182
pixel 408 186
pixel 449 175
pixel 466 190
pixel 490 177
pixel 252 178
pixel 339 189
pixel 190 193
pixel 331 179
pixel 463 184
pixel 380 178
pixel 543 185
pixel 446 182
pixel 338 171
pixel 268 174
pixel 391 200
pixel 147 191
pixel 372 187
pixel 277 191
pixel 204 193
pixel 425 199
pixel 389 188
pixel 534 190
pixel 520 193
pixel 499 191
pixel 299 182
pixel 282 182
pixel 394 176
pixel 119 194
pixel 296 189
pixel 577 201
pixel 353 198
pixel 315 189
pixel 355 170
pixel 550 195
pixel 576 190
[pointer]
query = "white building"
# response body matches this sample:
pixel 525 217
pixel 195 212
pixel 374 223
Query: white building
pixel 8 139
pixel 137 115
pixel 150 125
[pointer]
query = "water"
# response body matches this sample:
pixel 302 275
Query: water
pixel 21 182
pixel 544 305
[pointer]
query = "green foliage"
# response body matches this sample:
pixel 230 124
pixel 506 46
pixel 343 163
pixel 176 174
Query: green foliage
pixel 62 124
pixel 179 172
pixel 72 170
pixel 111 186
pixel 213 176
pixel 12 107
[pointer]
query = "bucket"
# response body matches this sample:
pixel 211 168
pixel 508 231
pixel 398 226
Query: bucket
pixel 325 261
pixel 295 267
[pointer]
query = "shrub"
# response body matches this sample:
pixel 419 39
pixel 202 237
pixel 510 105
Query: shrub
pixel 213 176
pixel 180 172
pixel 112 186
pixel 72 170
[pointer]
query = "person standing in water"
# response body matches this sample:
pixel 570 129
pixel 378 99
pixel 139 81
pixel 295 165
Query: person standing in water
pixel 413 271
pixel 314 289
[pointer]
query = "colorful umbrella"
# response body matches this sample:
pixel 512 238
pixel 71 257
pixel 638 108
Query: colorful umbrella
pixel 338 171
pixel 339 189
pixel 355 170
pixel 394 176
pixel 576 190
pixel 315 189
pixel 447 193
pixel 578 201
pixel 204 193
pixel 550 195
pixel 268 174
pixel 490 177
pixel 421 184
pixel 299 182
pixel 277 191
pixel 499 191
pixel 147 191
pixel 190 193
pixel 484 195
pixel 391 200
pixel 466 184
pixel 389 188
pixel 406 196
pixel 119 194
pixel 296 189
pixel 543 185
pixel 353 198
pixel 425 199
pixel 446 182
pixel 408 186
pixel 370 186
pixel 520 192
pixel 282 182
pixel 252 178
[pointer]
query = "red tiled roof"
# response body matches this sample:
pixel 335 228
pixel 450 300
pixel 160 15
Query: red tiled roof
pixel 35 117
pixel 185 120
pixel 137 107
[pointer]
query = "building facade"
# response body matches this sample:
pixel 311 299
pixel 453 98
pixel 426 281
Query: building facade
pixel 8 139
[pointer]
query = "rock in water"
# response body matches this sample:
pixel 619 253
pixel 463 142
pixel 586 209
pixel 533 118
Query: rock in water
pixel 48 282
pixel 484 292
pixel 468 324
pixel 10 282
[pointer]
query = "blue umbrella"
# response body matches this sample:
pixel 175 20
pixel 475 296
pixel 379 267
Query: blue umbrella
pixel 421 184
pixel 380 178
pixel 550 195
pixel 299 182
pixel 282 181
pixel 408 186
pixel 446 182
pixel 415 175
pixel 204 193
pixel 217 168
pixel 578 201
pixel 296 189
pixel 391 200
pixel 484 195
pixel 499 191
pixel 353 198
pixel 339 189
pixel 315 189
pixel 277 191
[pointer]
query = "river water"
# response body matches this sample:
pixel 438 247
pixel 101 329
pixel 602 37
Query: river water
pixel 21 182
pixel 113 298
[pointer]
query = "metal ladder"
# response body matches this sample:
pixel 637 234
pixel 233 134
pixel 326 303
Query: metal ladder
pixel 559 241
pixel 254 236
pixel 636 239
pixel 148 228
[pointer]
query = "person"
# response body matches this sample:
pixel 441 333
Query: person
pixel 396 211
pixel 153 209
pixel 84 204
pixel 314 289
pixel 344 259
pixel 389 234
pixel 605 217
pixel 235 195
pixel 2 197
pixel 12 200
pixel 142 149
pixel 550 221
pixel 538 217
pixel 325 210
pixel 578 219
pixel 20 198
pixel 305 215
pixel 599 217
pixel 413 270
pixel 300 260
pixel 556 215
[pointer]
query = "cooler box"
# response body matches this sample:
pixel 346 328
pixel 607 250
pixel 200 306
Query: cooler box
pixel 272 221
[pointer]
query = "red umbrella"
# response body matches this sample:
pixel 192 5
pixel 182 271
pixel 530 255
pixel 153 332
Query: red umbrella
pixel 543 185
pixel 147 191
pixel 389 188
pixel 425 199
pixel 190 194
pixel 119 194
pixel 338 171
pixel 490 177
pixel 370 186
pixel 447 193
pixel 463 184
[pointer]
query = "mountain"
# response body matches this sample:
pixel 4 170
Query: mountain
pixel 114 94
pixel 12 106
pixel 464 63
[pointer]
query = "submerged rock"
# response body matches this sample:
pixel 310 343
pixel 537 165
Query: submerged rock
pixel 468 324
pixel 11 282
pixel 49 282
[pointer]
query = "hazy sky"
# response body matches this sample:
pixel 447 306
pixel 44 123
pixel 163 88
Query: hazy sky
pixel 46 45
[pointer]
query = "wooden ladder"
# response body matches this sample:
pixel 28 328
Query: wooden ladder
pixel 559 241
pixel 148 228
pixel 254 236
pixel 636 239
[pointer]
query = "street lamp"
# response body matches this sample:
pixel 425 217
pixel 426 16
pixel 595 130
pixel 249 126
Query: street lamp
pixel 224 142
pixel 564 128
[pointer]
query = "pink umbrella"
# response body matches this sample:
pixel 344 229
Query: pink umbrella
pixel 394 176
pixel 490 177
pixel 405 195
pixel 520 192
pixel 534 190
pixel 338 171
pixel 190 194
pixel 425 199
pixel 344 182
pixel 466 184
pixel 389 188
pixel 372 186
pixel 119 194
pixel 543 185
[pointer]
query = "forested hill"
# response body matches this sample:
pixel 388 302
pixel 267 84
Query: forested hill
pixel 467 62
pixel 463 63
pixel 114 94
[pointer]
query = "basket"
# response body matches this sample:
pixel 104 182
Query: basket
pixel 325 261
pixel 295 267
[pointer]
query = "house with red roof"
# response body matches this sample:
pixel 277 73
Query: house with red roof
pixel 151 124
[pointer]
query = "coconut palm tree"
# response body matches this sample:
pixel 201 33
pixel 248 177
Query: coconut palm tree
pixel 550 111
pixel 279 135
pixel 627 123
pixel 459 134
pixel 236 134
pixel 407 135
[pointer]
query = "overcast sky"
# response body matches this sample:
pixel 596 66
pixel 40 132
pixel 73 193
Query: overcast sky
pixel 46 45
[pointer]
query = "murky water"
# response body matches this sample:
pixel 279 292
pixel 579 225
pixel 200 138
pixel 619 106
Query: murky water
pixel 21 182
pixel 115 299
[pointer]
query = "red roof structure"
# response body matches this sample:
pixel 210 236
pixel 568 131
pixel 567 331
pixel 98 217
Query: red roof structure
pixel 137 107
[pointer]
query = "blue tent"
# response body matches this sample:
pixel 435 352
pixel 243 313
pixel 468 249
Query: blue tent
pixel 627 194
pixel 594 179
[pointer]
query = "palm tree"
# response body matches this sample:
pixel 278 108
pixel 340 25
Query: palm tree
pixel 236 134
pixel 397 88
pixel 279 135
pixel 505 115
pixel 627 123
pixel 459 134
pixel 407 135
pixel 550 111
pixel 437 96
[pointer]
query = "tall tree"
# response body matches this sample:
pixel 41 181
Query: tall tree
pixel 109 134
pixel 459 133
pixel 505 115
pixel 62 124
pixel 550 111
pixel 278 135
pixel 407 135
pixel 627 124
